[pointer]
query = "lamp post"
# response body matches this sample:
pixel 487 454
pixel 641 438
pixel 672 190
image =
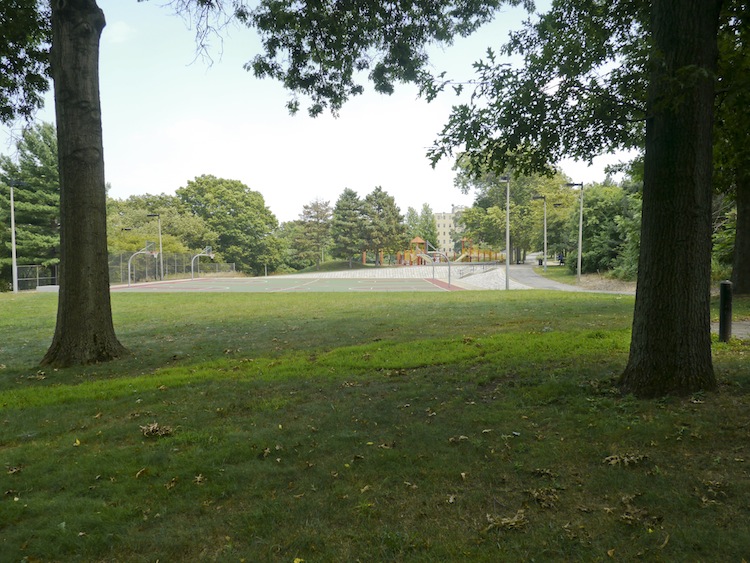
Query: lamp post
pixel 544 198
pixel 14 260
pixel 580 228
pixel 506 179
pixel 161 254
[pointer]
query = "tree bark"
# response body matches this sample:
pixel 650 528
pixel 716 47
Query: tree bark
pixel 741 261
pixel 670 351
pixel 84 332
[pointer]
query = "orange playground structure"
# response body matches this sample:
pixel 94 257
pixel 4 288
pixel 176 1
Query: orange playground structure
pixel 419 254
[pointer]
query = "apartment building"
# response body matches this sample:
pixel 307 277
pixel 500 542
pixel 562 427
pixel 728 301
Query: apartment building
pixel 446 226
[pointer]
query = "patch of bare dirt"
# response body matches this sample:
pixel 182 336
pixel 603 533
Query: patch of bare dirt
pixel 598 282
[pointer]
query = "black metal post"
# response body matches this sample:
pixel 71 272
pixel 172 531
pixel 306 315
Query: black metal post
pixel 725 311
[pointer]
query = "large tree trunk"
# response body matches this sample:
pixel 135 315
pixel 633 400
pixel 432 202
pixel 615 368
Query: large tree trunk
pixel 84 332
pixel 670 351
pixel 741 262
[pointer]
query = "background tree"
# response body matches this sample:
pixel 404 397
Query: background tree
pixel 421 224
pixel 383 228
pixel 315 220
pixel 603 241
pixel 182 230
pixel 239 215
pixel 428 225
pixel 37 200
pixel 293 257
pixel 411 222
pixel 347 226
pixel 485 221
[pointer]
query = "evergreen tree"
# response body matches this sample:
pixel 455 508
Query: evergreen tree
pixel 384 228
pixel 347 226
pixel 316 229
pixel 37 200
pixel 428 226
pixel 411 223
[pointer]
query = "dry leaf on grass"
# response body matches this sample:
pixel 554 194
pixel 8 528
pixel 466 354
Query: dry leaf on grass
pixel 516 522
pixel 155 430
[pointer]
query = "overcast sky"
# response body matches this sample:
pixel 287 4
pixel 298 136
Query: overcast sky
pixel 168 118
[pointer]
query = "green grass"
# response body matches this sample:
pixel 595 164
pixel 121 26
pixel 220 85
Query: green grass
pixel 342 427
pixel 557 273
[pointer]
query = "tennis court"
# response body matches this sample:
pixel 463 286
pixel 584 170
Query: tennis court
pixel 290 284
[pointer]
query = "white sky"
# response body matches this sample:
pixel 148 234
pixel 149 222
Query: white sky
pixel 168 118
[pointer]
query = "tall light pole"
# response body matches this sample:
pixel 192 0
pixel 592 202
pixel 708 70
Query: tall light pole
pixel 506 179
pixel 580 228
pixel 14 260
pixel 161 254
pixel 544 197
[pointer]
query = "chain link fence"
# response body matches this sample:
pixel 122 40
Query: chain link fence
pixel 145 267
pixel 31 277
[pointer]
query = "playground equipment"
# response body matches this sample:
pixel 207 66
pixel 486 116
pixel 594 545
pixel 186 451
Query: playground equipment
pixel 420 248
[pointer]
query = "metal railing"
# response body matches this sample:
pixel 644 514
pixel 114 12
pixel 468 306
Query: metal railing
pixel 33 276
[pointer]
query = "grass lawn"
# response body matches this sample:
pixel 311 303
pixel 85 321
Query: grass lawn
pixel 480 426
pixel 558 273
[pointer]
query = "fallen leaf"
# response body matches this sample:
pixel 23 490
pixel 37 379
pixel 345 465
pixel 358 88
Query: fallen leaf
pixel 517 522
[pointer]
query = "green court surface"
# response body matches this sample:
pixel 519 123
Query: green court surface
pixel 289 285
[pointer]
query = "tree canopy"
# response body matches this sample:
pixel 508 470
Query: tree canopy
pixel 322 50
pixel 25 29
pixel 130 222
pixel 577 94
pixel 239 215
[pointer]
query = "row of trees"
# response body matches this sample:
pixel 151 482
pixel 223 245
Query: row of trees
pixel 231 218
pixel 353 226
pixel 234 221
pixel 207 211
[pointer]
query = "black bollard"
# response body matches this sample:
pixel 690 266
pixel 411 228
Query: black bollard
pixel 725 311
